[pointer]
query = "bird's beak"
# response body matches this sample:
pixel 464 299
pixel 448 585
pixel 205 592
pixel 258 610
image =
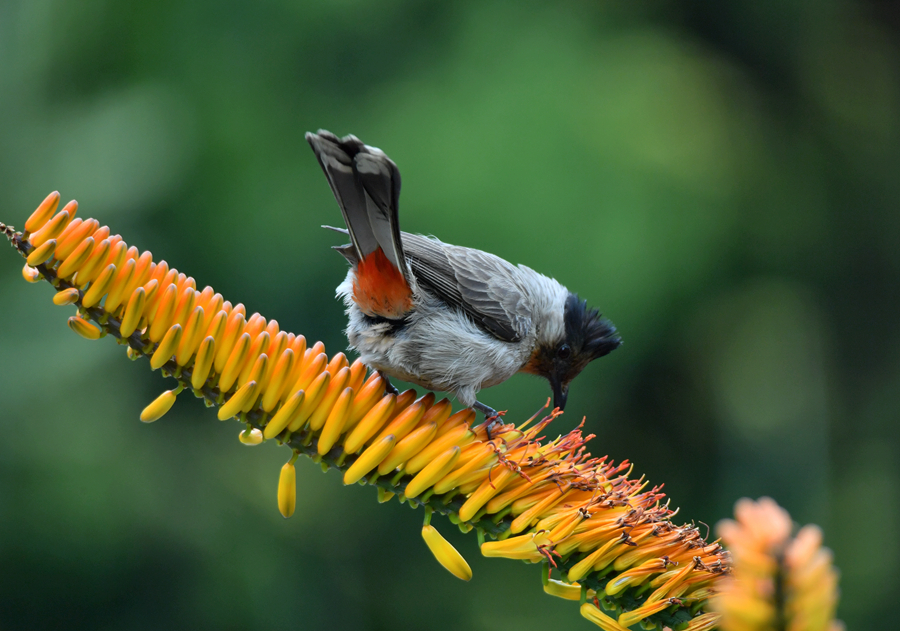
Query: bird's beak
pixel 560 393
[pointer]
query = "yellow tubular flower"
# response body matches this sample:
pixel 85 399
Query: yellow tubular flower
pixel 237 401
pixel 184 305
pixel 161 404
pixel 74 235
pixel 42 254
pixel 235 362
pixel 368 460
pixel 193 334
pixel 435 470
pixel 528 498
pixel 484 492
pixel 404 400
pixel 446 554
pixel 166 348
pixel 287 490
pixel 133 312
pixel 117 292
pixel 369 394
pixel 284 416
pixel 471 470
pixel 283 367
pixel 276 347
pixel 370 424
pixel 51 230
pixel 566 591
pixel 93 264
pixel 151 290
pixel 456 437
pixel 66 297
pixel 116 254
pixel 334 424
pixel 314 394
pixel 43 213
pixel 309 371
pixel 203 362
pixel 526 547
pixel 74 261
pixel 216 327
pixel 256 374
pixel 163 318
pixel 85 329
pixel 257 346
pixel 329 397
pixel 404 422
pixel 438 413
pixel 337 362
pixel 593 613
pixel 412 444
pixel 357 375
pixel 99 287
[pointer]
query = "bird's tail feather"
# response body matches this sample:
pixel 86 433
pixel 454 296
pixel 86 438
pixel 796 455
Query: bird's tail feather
pixel 366 185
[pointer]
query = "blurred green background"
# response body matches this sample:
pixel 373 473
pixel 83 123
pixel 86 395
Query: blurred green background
pixel 720 178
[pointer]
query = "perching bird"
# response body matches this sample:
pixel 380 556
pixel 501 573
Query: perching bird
pixel 442 316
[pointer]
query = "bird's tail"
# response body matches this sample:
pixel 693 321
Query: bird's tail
pixel 366 185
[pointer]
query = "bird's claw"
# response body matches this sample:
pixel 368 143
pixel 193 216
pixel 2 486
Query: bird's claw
pixel 389 388
pixel 491 416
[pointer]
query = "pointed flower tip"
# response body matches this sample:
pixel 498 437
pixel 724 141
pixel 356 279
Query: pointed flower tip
pixel 446 554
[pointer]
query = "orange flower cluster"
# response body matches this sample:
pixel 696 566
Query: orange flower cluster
pixel 779 581
pixel 603 538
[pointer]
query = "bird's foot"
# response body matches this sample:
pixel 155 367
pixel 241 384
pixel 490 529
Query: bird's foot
pixel 389 388
pixel 491 416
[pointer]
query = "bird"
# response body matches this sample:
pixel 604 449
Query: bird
pixel 445 317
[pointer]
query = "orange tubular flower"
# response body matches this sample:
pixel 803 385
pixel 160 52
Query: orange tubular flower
pixel 596 531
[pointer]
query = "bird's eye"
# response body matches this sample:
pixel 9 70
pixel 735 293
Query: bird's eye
pixel 564 351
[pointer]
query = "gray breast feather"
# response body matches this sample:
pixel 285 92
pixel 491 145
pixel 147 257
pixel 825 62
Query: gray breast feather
pixel 484 286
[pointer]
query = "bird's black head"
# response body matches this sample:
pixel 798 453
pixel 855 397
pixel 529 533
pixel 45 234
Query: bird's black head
pixel 587 337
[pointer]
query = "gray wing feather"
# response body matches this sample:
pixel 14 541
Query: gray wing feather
pixel 481 284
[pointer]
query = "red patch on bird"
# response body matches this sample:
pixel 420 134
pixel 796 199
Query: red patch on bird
pixel 380 289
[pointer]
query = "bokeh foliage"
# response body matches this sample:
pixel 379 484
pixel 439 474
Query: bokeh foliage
pixel 719 178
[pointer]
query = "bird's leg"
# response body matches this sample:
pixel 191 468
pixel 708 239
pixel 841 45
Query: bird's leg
pixel 488 412
pixel 491 417
pixel 389 388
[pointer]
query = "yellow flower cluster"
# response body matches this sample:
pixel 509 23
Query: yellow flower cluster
pixel 779 581
pixel 603 538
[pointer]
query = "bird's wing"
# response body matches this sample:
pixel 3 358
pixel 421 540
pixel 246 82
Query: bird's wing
pixel 481 284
